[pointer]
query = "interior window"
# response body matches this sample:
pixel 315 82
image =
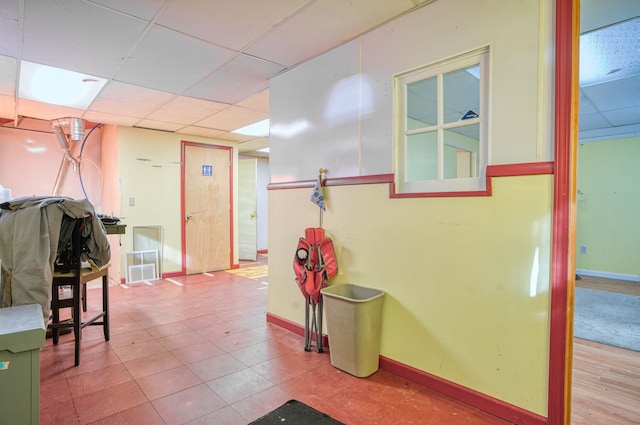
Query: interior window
pixel 441 141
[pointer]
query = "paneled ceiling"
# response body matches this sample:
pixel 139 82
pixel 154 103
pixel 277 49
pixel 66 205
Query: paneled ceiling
pixel 202 67
pixel 611 107
pixel 197 67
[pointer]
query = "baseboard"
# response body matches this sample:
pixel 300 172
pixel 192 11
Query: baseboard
pixel 295 328
pixel 608 275
pixel 473 398
pixel 493 406
pixel 263 251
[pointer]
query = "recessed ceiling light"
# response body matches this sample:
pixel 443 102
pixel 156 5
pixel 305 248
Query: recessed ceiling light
pixel 58 86
pixel 258 129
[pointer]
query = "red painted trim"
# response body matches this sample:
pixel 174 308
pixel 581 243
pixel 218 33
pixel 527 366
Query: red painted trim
pixel 566 62
pixel 339 181
pixel 473 398
pixel 523 169
pixel 234 266
pixel 182 206
pixel 504 170
pixel 466 395
pixel 358 180
pixel 183 213
pixel 295 328
pixel 439 194
pixel 263 251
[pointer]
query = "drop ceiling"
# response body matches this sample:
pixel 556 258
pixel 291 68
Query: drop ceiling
pixel 197 67
pixel 202 67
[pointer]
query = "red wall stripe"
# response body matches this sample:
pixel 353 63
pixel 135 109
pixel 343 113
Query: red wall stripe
pixel 504 170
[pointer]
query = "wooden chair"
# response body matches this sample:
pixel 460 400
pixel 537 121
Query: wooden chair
pixel 77 279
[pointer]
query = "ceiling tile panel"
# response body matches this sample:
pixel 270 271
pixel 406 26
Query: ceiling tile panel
pixel 9 28
pixel 227 135
pixel 170 61
pixel 202 131
pixel 143 9
pixel 186 110
pixel 159 125
pixel 66 33
pixel 237 80
pixel 617 94
pixel 7 107
pixel 592 122
pixel 7 76
pixel 45 111
pixel 110 118
pixel 318 28
pixel 233 118
pixel 586 107
pixel 626 116
pixel 259 102
pixel 229 23
pixel 127 99
pixel 253 144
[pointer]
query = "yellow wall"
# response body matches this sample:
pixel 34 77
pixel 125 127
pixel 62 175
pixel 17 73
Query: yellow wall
pixel 150 173
pixel 466 279
pixel 111 194
pixel 608 208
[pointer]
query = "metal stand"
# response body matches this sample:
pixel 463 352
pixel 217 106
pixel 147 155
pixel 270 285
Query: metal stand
pixel 313 330
pixel 313 311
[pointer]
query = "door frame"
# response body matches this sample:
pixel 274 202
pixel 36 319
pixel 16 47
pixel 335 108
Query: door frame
pixel 567 44
pixel 183 213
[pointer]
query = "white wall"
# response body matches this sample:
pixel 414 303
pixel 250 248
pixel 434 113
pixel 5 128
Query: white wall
pixel 262 205
pixel 336 111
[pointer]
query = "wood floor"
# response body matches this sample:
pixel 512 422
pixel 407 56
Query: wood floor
pixel 611 285
pixel 606 380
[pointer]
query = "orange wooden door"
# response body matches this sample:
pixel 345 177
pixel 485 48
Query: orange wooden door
pixel 207 208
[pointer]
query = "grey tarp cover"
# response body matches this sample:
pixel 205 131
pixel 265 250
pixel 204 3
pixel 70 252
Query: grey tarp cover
pixel 30 229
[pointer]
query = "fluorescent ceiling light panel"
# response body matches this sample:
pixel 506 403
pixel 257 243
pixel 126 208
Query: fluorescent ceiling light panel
pixel 266 150
pixel 610 53
pixel 58 86
pixel 258 129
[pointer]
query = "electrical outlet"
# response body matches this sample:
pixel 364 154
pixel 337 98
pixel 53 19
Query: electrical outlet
pixel 583 249
pixel 132 202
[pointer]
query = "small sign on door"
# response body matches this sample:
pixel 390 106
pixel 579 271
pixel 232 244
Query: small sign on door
pixel 207 170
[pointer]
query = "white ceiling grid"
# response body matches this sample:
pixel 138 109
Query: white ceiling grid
pixel 198 67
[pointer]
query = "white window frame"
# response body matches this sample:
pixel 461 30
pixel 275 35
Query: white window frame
pixel 472 184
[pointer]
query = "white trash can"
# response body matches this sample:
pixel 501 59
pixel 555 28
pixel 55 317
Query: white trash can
pixel 353 316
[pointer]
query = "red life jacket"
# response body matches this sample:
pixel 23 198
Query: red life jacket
pixel 314 263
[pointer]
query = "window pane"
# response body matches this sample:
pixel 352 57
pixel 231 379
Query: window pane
pixel 422 104
pixel 461 147
pixel 422 156
pixel 461 91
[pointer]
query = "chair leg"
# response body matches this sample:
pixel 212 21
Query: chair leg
pixel 77 322
pixel 84 298
pixel 105 305
pixel 55 315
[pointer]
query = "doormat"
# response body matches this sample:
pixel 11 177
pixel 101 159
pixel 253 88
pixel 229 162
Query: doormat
pixel 294 412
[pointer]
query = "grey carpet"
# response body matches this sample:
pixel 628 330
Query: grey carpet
pixel 608 318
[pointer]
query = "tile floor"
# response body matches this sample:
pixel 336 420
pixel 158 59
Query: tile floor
pixel 197 350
